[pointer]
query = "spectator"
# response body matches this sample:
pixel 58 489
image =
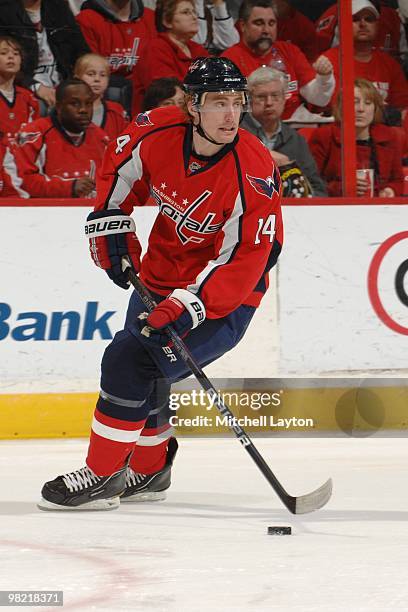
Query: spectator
pixel 370 63
pixel 377 147
pixel 50 39
pixel 164 92
pixel 216 29
pixel 121 31
pixel 296 28
pixel 17 104
pixel 110 116
pixel 390 36
pixel 267 90
pixel 173 50
pixel 259 47
pixel 57 155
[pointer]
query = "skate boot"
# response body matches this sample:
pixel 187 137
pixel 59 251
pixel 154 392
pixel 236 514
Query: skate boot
pixel 83 490
pixel 150 487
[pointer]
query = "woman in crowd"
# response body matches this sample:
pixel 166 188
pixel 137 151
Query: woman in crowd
pixel 378 151
pixel 110 116
pixel 173 50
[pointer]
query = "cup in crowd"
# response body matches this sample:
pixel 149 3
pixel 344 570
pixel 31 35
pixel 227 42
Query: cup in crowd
pixel 368 175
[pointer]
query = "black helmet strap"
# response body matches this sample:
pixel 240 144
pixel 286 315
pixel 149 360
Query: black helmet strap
pixel 202 133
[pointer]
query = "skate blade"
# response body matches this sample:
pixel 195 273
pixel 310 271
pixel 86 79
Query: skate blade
pixel 97 504
pixel 147 496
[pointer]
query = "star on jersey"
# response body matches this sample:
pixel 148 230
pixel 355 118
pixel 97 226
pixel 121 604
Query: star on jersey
pixel 187 227
pixel 266 187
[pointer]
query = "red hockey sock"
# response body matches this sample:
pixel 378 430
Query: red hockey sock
pixel 111 442
pixel 149 459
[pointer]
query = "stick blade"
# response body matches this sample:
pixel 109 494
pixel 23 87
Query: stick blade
pixel 314 500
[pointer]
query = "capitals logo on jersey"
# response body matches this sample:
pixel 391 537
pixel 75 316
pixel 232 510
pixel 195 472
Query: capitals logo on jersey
pixel 266 187
pixel 187 228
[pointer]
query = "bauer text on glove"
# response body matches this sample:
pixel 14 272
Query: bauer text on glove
pixel 181 309
pixel 112 237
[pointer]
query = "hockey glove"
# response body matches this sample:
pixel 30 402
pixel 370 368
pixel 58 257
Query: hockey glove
pixel 181 309
pixel 112 236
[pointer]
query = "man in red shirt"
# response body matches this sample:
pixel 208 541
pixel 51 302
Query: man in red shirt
pixel 259 47
pixel 121 30
pixel 217 233
pixel 390 33
pixel 371 63
pixel 57 156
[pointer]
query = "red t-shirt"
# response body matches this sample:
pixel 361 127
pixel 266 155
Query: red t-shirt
pixel 292 60
pixel 168 60
pixel 383 70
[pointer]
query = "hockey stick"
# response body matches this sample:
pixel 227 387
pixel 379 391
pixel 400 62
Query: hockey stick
pixel 297 505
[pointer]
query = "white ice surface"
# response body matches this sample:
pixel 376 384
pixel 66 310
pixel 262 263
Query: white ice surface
pixel 206 547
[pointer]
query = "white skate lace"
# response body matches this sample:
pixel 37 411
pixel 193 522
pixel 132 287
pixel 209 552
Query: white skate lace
pixel 133 478
pixel 81 479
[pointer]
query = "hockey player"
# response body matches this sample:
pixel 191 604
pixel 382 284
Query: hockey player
pixel 217 233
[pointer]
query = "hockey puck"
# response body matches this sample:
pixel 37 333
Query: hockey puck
pixel 279 530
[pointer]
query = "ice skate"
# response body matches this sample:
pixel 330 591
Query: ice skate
pixel 83 490
pixel 150 487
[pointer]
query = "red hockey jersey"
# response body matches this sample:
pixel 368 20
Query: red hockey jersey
pixel 293 63
pixel 219 227
pixel 48 162
pixel 23 108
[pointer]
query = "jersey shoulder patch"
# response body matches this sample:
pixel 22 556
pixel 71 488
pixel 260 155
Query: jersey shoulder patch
pixel 265 186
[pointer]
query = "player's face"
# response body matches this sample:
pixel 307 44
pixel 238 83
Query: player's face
pixel 260 30
pixel 364 108
pixel 184 23
pixel 267 102
pixel 75 110
pixel 96 75
pixel 10 60
pixel 365 25
pixel 220 115
pixel 176 100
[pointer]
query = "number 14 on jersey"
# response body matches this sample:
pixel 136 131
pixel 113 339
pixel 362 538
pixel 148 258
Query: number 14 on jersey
pixel 266 227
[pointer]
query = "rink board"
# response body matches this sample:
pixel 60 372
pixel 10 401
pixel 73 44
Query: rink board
pixel 57 314
pixel 303 411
